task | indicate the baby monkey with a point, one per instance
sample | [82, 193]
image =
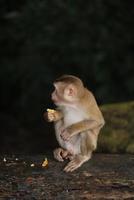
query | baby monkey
[77, 120]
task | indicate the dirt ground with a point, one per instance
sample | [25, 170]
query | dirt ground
[105, 176]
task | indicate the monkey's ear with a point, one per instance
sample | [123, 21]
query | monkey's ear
[70, 90]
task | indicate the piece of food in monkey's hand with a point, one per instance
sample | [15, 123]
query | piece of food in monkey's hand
[50, 110]
[50, 115]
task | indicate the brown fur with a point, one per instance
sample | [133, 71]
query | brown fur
[78, 121]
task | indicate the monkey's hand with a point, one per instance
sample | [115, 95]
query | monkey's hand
[65, 134]
[52, 115]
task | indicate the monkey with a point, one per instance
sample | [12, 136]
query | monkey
[77, 121]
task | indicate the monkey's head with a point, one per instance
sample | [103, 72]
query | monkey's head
[68, 90]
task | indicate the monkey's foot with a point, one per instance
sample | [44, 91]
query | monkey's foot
[75, 163]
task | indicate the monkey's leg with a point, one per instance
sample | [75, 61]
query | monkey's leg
[87, 146]
[76, 162]
[60, 154]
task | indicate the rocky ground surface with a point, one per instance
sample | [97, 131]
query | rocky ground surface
[105, 176]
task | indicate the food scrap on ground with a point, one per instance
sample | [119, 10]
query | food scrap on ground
[45, 163]
[32, 165]
[4, 160]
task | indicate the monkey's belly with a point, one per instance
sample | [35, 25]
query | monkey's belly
[73, 145]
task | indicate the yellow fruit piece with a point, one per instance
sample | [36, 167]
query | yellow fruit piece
[45, 163]
[50, 110]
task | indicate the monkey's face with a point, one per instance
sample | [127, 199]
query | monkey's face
[63, 94]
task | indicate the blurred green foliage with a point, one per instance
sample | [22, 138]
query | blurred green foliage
[40, 40]
[117, 136]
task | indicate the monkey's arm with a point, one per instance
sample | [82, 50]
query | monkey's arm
[57, 115]
[53, 115]
[81, 127]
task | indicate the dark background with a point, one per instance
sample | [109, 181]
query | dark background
[41, 40]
